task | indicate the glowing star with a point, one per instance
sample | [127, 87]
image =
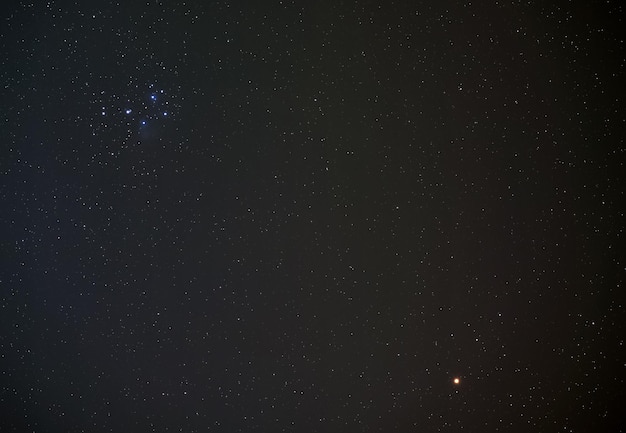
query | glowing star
[456, 381]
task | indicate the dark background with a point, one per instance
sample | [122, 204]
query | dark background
[328, 212]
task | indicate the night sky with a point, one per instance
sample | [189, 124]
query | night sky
[273, 216]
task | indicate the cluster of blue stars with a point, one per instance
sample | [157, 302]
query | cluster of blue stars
[141, 117]
[156, 108]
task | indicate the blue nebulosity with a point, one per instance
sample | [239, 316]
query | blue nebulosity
[139, 119]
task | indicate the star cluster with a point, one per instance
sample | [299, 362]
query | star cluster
[138, 115]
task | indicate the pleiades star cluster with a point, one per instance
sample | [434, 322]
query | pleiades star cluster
[336, 216]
